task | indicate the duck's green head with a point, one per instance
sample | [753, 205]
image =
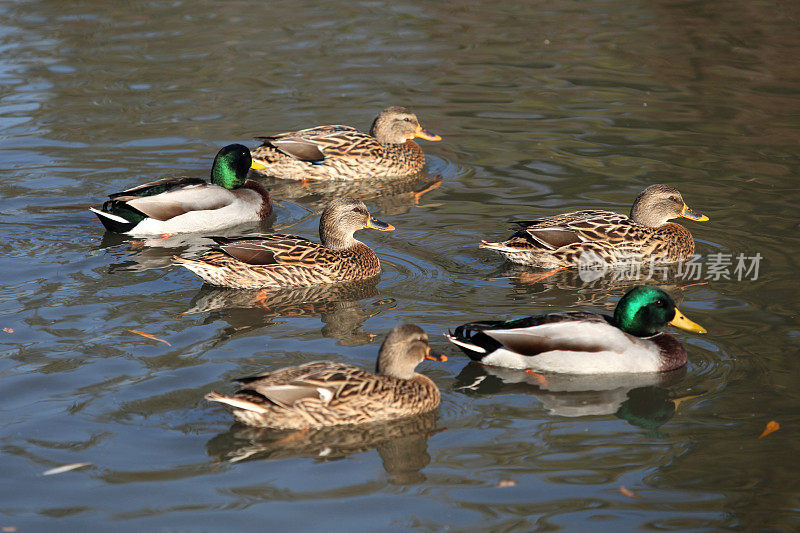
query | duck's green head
[231, 166]
[645, 311]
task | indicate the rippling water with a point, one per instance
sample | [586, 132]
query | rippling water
[544, 108]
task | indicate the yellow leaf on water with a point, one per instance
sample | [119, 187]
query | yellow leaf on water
[626, 492]
[771, 427]
[506, 483]
[149, 336]
[8, 330]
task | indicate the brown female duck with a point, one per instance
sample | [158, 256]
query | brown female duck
[344, 153]
[325, 393]
[277, 260]
[562, 240]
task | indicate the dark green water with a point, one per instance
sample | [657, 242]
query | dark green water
[544, 107]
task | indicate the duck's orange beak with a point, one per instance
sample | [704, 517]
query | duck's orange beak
[435, 356]
[680, 321]
[374, 223]
[688, 213]
[255, 165]
[428, 136]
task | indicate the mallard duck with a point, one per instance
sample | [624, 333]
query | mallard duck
[325, 393]
[594, 235]
[183, 204]
[343, 153]
[277, 260]
[584, 343]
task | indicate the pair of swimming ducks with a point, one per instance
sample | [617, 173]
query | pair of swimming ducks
[326, 393]
[322, 393]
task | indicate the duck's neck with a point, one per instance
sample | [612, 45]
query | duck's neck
[391, 363]
[646, 216]
[336, 240]
[673, 354]
[384, 134]
[266, 203]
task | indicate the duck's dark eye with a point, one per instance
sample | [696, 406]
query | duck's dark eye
[674, 199]
[660, 303]
[408, 119]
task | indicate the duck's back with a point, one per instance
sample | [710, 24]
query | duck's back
[325, 393]
[278, 260]
[591, 236]
[336, 153]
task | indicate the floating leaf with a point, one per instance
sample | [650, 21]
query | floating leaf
[772, 427]
[506, 483]
[149, 336]
[8, 330]
[626, 492]
[677, 401]
[8, 529]
[684, 287]
[65, 468]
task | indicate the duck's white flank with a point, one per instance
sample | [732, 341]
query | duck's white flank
[578, 347]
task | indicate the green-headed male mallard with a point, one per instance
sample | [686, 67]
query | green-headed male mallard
[277, 260]
[566, 240]
[585, 343]
[184, 205]
[324, 393]
[343, 153]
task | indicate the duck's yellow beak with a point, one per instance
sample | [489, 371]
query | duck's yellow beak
[680, 321]
[435, 356]
[428, 136]
[374, 223]
[688, 213]
[255, 165]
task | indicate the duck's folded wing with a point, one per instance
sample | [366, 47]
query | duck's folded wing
[321, 380]
[270, 249]
[158, 186]
[564, 218]
[287, 395]
[179, 200]
[571, 228]
[315, 144]
[308, 133]
[586, 334]
[300, 149]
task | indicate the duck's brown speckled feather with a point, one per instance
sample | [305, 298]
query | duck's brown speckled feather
[351, 396]
[295, 262]
[339, 152]
[274, 260]
[561, 240]
[345, 155]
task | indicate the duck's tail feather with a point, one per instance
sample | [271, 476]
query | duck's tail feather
[235, 402]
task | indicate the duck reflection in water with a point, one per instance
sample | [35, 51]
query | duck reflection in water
[340, 306]
[644, 400]
[402, 444]
[392, 196]
[593, 287]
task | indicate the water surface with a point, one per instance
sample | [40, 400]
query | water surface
[543, 108]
